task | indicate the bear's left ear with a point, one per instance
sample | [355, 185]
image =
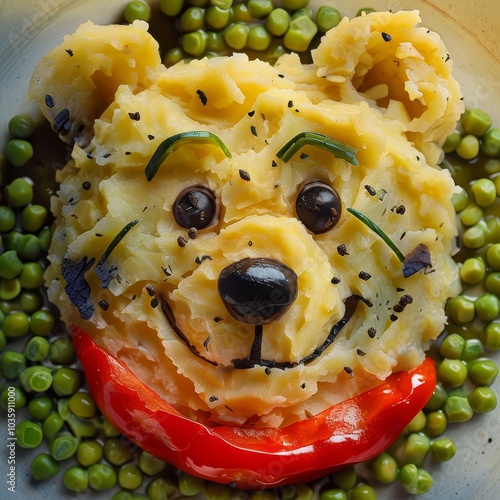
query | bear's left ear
[77, 81]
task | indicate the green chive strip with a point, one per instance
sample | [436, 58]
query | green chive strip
[339, 149]
[115, 242]
[174, 142]
[376, 229]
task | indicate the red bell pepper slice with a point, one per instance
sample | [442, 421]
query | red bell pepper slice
[353, 431]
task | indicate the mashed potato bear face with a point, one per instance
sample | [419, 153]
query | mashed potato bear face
[213, 281]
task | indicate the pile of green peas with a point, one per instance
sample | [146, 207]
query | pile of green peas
[219, 27]
[59, 423]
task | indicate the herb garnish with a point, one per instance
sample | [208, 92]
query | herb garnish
[174, 142]
[339, 149]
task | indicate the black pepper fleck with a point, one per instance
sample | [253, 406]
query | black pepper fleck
[212, 399]
[372, 332]
[386, 37]
[400, 210]
[192, 233]
[342, 250]
[349, 371]
[253, 130]
[103, 305]
[86, 185]
[182, 242]
[274, 164]
[199, 260]
[268, 371]
[359, 352]
[393, 317]
[303, 385]
[202, 96]
[151, 290]
[70, 52]
[250, 243]
[135, 116]
[290, 104]
[364, 275]
[304, 156]
[335, 280]
[370, 189]
[106, 155]
[154, 303]
[151, 137]
[49, 101]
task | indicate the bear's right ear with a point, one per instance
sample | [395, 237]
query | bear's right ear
[77, 81]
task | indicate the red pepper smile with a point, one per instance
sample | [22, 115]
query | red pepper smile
[347, 433]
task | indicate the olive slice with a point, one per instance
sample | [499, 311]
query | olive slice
[195, 207]
[318, 206]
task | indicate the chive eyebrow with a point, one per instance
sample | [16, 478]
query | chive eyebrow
[376, 229]
[338, 148]
[115, 242]
[174, 142]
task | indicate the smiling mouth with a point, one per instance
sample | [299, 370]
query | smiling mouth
[254, 358]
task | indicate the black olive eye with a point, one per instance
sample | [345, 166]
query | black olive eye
[195, 207]
[318, 206]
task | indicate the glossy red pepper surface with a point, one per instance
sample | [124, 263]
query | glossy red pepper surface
[347, 433]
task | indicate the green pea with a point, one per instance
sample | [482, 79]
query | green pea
[36, 379]
[472, 270]
[21, 126]
[362, 492]
[492, 283]
[475, 121]
[416, 447]
[108, 429]
[484, 192]
[171, 7]
[19, 192]
[491, 336]
[28, 247]
[333, 494]
[3, 339]
[28, 434]
[295, 4]
[215, 42]
[471, 214]
[473, 349]
[493, 256]
[16, 324]
[452, 346]
[149, 464]
[241, 13]
[483, 371]
[162, 488]
[11, 240]
[10, 265]
[385, 468]
[258, 38]
[37, 349]
[222, 4]
[66, 381]
[236, 36]
[13, 396]
[18, 152]
[135, 10]
[262, 495]
[89, 452]
[458, 409]
[443, 449]
[31, 276]
[483, 399]
[345, 478]
[12, 363]
[278, 22]
[460, 309]
[468, 148]
[62, 351]
[194, 43]
[492, 166]
[460, 200]
[217, 18]
[76, 479]
[40, 407]
[303, 492]
[417, 423]
[118, 451]
[173, 56]
[487, 306]
[45, 238]
[490, 143]
[451, 142]
[9, 289]
[414, 480]
[129, 476]
[42, 322]
[52, 425]
[82, 405]
[63, 446]
[260, 8]
[101, 477]
[474, 237]
[7, 219]
[436, 423]
[327, 18]
[215, 491]
[192, 19]
[300, 34]
[33, 217]
[43, 466]
[29, 302]
[189, 485]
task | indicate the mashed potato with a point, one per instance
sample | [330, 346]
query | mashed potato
[379, 84]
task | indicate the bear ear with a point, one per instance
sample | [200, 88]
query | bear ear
[77, 80]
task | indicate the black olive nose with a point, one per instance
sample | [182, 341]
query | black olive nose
[257, 291]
